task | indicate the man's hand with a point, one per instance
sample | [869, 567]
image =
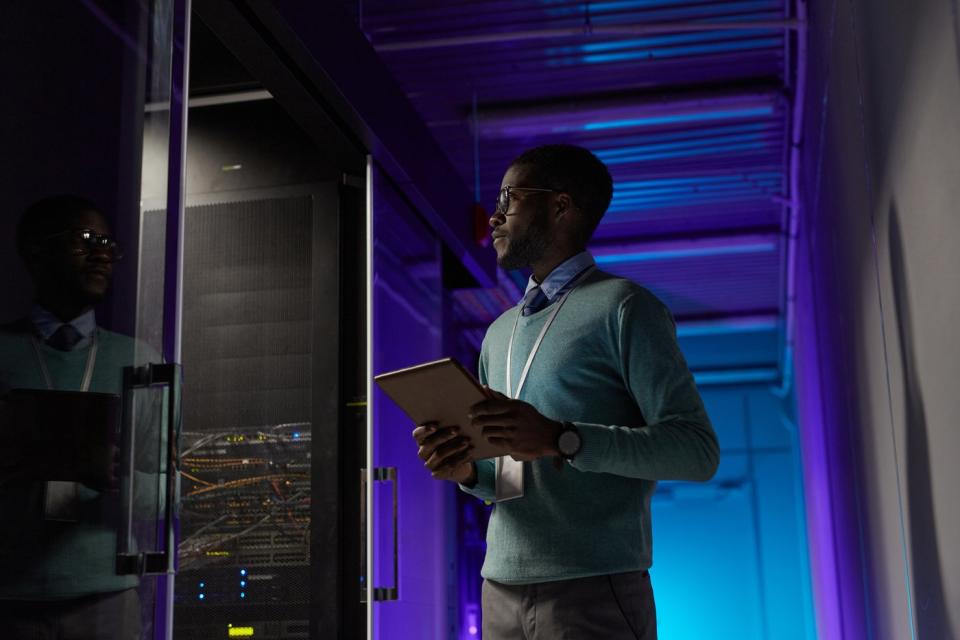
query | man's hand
[517, 426]
[445, 453]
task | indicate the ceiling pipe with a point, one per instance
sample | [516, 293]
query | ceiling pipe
[585, 30]
[794, 207]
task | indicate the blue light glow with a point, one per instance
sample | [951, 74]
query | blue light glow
[202, 585]
[243, 583]
[657, 182]
[243, 572]
[701, 146]
[595, 47]
[678, 118]
[704, 132]
[688, 153]
[736, 376]
[201, 596]
[691, 252]
[725, 327]
[690, 50]
[617, 6]
[296, 434]
[243, 594]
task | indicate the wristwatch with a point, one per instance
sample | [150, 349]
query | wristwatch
[569, 442]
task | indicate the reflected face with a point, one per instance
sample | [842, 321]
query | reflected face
[67, 268]
[521, 235]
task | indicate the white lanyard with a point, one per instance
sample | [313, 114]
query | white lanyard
[536, 345]
[87, 372]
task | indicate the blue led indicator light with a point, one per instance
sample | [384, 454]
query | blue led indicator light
[201, 596]
[243, 572]
[243, 595]
[202, 585]
[243, 583]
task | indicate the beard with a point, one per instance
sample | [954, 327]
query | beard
[522, 251]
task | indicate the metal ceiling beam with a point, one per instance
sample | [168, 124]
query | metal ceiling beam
[317, 63]
[585, 30]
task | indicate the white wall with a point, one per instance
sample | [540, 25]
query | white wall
[879, 233]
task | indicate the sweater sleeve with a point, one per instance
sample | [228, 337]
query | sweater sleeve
[485, 489]
[678, 441]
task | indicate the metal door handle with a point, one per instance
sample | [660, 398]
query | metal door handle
[163, 560]
[389, 474]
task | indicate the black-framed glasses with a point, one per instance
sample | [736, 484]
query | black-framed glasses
[83, 242]
[503, 198]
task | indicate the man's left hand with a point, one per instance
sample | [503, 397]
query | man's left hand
[516, 426]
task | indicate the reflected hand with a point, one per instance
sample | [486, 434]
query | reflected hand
[445, 453]
[517, 426]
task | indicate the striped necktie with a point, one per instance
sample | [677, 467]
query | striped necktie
[65, 337]
[534, 300]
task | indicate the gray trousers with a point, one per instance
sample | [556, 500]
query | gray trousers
[611, 607]
[106, 616]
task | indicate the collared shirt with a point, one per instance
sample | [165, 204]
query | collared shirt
[562, 277]
[46, 323]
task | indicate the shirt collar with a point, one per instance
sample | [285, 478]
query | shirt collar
[562, 274]
[46, 323]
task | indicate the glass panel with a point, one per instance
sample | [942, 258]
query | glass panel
[407, 330]
[92, 142]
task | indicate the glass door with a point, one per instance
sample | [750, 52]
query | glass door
[89, 401]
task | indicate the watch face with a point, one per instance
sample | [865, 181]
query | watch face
[569, 443]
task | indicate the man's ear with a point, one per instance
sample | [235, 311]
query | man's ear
[564, 203]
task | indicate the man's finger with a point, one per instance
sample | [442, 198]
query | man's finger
[452, 462]
[511, 419]
[428, 438]
[499, 431]
[493, 406]
[494, 394]
[444, 451]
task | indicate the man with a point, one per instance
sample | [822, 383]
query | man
[58, 539]
[607, 408]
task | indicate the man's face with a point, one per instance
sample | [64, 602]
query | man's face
[521, 237]
[68, 269]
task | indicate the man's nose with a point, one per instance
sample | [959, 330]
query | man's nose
[101, 254]
[497, 219]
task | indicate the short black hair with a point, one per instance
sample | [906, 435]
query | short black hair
[48, 216]
[576, 171]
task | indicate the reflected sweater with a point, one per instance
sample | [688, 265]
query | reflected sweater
[611, 365]
[42, 559]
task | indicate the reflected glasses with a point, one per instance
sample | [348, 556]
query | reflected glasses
[83, 242]
[503, 198]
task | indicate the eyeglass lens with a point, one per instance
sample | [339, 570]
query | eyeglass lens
[85, 242]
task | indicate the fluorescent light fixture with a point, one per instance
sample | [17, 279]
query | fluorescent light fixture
[641, 251]
[680, 118]
[660, 53]
[727, 326]
[624, 114]
[736, 376]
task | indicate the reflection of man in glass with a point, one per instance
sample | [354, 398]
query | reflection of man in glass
[58, 539]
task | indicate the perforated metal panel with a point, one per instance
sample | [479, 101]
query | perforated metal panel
[247, 418]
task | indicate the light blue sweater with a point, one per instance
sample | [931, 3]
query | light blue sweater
[611, 365]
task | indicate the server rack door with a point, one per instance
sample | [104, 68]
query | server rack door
[268, 547]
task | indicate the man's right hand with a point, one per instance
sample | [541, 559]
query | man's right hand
[445, 453]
